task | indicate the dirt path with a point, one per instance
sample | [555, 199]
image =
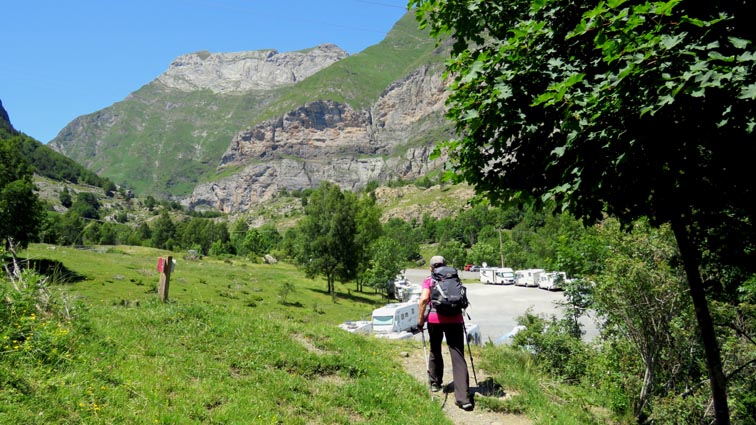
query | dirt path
[414, 363]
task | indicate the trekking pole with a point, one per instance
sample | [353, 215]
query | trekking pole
[469, 350]
[427, 365]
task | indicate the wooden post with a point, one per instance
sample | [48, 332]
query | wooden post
[164, 267]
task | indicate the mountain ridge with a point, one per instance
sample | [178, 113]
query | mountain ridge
[173, 137]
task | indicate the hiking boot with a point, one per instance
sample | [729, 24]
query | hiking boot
[435, 388]
[465, 406]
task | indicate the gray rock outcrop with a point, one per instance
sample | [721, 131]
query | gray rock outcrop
[244, 71]
[326, 140]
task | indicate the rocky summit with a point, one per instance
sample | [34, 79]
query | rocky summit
[244, 71]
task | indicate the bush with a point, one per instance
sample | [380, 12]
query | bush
[612, 374]
[557, 351]
[36, 324]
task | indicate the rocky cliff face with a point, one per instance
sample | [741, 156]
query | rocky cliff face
[244, 71]
[325, 140]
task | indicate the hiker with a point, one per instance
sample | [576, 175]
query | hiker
[453, 326]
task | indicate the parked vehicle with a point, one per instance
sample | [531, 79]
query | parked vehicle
[399, 317]
[404, 290]
[475, 268]
[552, 281]
[497, 275]
[528, 277]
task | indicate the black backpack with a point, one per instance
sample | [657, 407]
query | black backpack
[448, 295]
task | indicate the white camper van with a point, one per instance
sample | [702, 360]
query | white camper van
[497, 275]
[552, 281]
[528, 277]
[399, 317]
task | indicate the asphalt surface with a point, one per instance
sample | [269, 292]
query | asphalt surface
[495, 308]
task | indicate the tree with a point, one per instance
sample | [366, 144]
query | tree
[402, 232]
[453, 252]
[86, 206]
[164, 232]
[627, 108]
[65, 197]
[484, 252]
[641, 295]
[369, 230]
[385, 263]
[327, 235]
[21, 212]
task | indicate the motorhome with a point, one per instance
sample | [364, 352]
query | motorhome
[405, 291]
[528, 277]
[552, 281]
[398, 317]
[497, 275]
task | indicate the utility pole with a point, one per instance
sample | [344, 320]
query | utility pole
[501, 249]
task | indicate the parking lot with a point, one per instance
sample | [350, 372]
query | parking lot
[495, 308]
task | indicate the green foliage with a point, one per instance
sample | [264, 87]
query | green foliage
[613, 108]
[39, 328]
[85, 206]
[385, 263]
[403, 233]
[556, 349]
[483, 252]
[163, 232]
[640, 293]
[49, 163]
[532, 393]
[284, 291]
[454, 253]
[20, 209]
[65, 197]
[327, 244]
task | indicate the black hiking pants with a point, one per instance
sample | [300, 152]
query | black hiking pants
[455, 339]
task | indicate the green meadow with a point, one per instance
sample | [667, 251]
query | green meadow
[236, 343]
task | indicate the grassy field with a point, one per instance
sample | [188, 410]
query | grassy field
[224, 349]
[236, 343]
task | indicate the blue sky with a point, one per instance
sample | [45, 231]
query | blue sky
[63, 59]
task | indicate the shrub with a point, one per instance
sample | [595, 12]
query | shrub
[37, 325]
[557, 351]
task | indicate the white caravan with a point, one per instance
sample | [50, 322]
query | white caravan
[497, 275]
[552, 281]
[399, 317]
[405, 291]
[528, 277]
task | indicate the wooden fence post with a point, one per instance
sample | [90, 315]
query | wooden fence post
[164, 267]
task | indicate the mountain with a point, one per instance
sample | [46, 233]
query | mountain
[45, 161]
[5, 124]
[228, 130]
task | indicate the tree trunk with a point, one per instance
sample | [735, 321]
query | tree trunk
[706, 327]
[648, 377]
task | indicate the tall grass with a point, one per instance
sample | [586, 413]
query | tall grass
[540, 397]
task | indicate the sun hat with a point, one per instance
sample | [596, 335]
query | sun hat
[437, 260]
